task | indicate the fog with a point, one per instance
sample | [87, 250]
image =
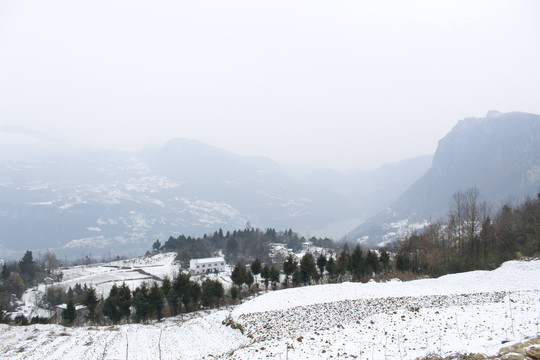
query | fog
[338, 84]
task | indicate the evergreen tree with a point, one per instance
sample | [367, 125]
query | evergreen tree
[124, 301]
[307, 268]
[91, 301]
[141, 303]
[296, 277]
[180, 291]
[249, 279]
[239, 274]
[70, 294]
[331, 268]
[384, 258]
[14, 285]
[173, 299]
[357, 264]
[69, 313]
[403, 263]
[342, 263]
[265, 274]
[5, 272]
[78, 290]
[235, 292]
[166, 285]
[256, 267]
[274, 275]
[156, 301]
[212, 293]
[289, 266]
[27, 268]
[195, 293]
[372, 263]
[110, 307]
[321, 263]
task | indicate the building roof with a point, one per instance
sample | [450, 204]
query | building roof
[208, 260]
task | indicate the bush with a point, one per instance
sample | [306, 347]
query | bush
[21, 320]
[39, 320]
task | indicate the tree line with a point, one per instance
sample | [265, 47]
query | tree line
[174, 296]
[17, 276]
[473, 237]
[355, 265]
[238, 245]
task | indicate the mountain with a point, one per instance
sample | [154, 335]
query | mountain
[498, 154]
[96, 202]
[372, 190]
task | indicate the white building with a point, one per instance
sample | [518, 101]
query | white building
[206, 265]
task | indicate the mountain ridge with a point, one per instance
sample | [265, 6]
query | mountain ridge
[96, 201]
[498, 154]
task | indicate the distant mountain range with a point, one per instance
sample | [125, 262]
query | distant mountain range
[95, 202]
[99, 202]
[498, 154]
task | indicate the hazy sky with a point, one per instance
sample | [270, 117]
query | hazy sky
[340, 84]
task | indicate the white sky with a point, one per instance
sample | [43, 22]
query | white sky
[339, 84]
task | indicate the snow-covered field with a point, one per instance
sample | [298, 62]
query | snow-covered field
[470, 312]
[132, 271]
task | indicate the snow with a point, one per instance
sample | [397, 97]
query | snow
[509, 277]
[470, 312]
[173, 338]
[103, 276]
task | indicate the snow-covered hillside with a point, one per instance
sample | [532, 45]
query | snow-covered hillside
[469, 312]
[132, 272]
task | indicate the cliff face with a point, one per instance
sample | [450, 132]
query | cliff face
[498, 154]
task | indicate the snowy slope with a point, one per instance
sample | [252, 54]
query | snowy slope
[468, 312]
[133, 272]
[509, 277]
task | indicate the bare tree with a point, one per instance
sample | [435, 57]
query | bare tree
[467, 214]
[50, 263]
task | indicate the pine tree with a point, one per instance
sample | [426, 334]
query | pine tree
[91, 301]
[69, 313]
[110, 307]
[384, 258]
[156, 301]
[256, 267]
[5, 272]
[27, 268]
[212, 293]
[274, 275]
[238, 275]
[357, 265]
[235, 292]
[249, 279]
[307, 268]
[289, 266]
[193, 296]
[166, 284]
[140, 303]
[265, 274]
[372, 263]
[331, 268]
[296, 277]
[124, 301]
[342, 263]
[321, 263]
